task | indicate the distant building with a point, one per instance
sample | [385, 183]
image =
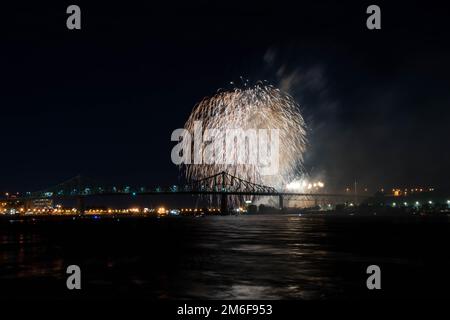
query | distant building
[42, 203]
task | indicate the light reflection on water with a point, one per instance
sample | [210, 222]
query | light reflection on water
[262, 257]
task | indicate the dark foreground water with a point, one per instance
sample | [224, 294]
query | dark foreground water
[231, 257]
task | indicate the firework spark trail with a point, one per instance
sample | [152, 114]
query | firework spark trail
[256, 107]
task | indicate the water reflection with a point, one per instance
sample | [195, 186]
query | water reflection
[233, 257]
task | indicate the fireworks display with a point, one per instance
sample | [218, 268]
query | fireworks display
[256, 107]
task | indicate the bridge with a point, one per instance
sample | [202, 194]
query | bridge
[221, 184]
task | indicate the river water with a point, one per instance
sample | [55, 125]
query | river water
[227, 257]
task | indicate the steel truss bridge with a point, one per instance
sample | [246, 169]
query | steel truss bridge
[221, 184]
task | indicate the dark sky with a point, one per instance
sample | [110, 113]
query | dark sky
[103, 101]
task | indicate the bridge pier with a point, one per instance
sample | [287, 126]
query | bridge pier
[80, 205]
[223, 203]
[28, 204]
[280, 202]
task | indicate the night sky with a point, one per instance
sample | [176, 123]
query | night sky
[103, 101]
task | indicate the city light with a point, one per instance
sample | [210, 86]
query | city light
[303, 185]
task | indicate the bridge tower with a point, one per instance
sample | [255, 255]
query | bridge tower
[223, 196]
